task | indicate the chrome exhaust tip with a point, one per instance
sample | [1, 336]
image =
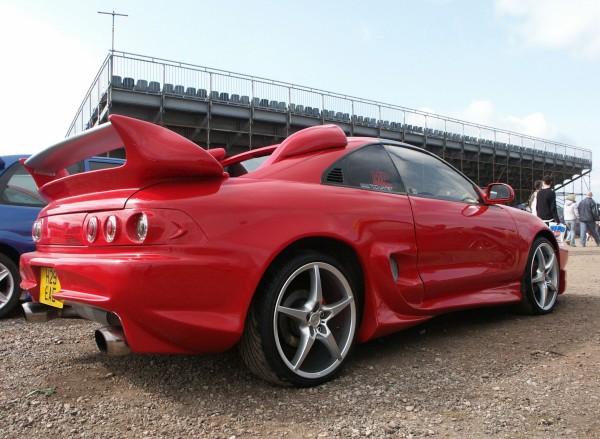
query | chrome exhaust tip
[111, 341]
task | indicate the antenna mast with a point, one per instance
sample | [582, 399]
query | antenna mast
[113, 13]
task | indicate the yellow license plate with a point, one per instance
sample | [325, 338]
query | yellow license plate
[49, 285]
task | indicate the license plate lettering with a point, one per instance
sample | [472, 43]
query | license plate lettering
[49, 285]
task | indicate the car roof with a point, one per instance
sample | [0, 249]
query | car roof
[8, 160]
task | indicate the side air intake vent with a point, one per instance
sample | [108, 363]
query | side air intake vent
[336, 175]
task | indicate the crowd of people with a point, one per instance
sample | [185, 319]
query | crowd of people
[542, 203]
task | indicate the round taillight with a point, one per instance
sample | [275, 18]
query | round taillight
[141, 227]
[91, 231]
[36, 231]
[110, 228]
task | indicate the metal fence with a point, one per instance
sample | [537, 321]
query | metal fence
[208, 83]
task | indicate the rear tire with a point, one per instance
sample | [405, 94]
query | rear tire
[10, 292]
[303, 321]
[540, 281]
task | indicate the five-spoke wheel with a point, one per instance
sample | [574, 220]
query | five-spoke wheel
[303, 323]
[541, 279]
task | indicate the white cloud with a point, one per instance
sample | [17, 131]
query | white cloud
[555, 24]
[483, 112]
[533, 125]
[480, 112]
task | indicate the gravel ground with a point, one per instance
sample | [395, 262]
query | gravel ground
[476, 374]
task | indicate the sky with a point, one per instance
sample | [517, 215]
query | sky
[530, 66]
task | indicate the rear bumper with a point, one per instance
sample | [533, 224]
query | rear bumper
[165, 303]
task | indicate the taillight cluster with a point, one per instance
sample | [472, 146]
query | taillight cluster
[124, 227]
[135, 228]
[117, 228]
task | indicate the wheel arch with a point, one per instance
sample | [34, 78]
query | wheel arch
[11, 253]
[549, 236]
[560, 252]
[542, 233]
[333, 247]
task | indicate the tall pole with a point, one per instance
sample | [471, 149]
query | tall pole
[112, 52]
[113, 13]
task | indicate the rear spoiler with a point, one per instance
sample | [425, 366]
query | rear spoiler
[153, 154]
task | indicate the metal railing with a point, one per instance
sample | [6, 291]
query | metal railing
[290, 97]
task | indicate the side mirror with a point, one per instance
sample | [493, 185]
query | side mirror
[498, 193]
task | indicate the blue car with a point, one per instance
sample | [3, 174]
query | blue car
[20, 204]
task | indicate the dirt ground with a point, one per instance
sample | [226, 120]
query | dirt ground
[475, 374]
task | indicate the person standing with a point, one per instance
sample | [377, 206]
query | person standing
[546, 202]
[588, 215]
[571, 215]
[537, 185]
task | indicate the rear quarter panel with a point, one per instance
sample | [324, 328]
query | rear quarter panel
[250, 222]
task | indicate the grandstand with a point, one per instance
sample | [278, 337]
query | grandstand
[217, 108]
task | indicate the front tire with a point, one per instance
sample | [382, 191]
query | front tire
[10, 292]
[303, 321]
[541, 278]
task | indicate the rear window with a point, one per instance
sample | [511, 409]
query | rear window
[18, 188]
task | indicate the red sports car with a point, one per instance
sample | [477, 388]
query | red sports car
[292, 252]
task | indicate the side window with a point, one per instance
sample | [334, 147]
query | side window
[369, 168]
[18, 188]
[427, 176]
